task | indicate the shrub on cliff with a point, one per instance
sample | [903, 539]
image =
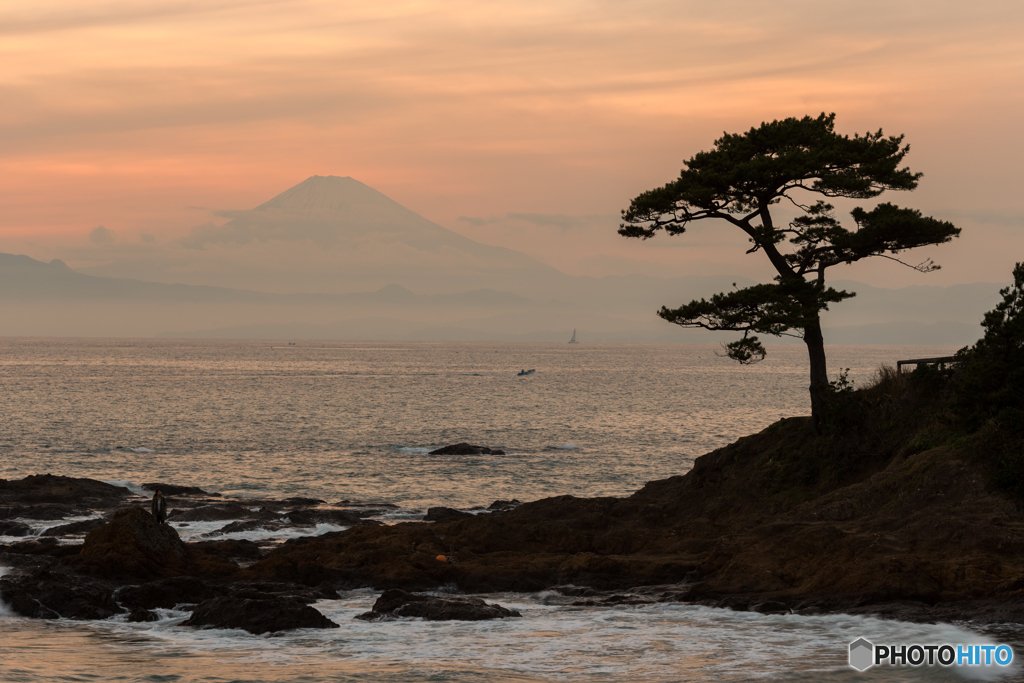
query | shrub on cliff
[990, 383]
[989, 388]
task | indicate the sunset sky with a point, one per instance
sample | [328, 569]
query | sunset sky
[528, 125]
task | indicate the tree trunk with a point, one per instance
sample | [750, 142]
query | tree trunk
[819, 374]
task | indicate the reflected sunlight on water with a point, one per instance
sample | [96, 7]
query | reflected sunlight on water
[355, 421]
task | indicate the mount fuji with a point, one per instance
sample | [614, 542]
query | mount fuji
[334, 258]
[333, 235]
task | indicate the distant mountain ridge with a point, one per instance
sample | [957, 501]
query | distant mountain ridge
[52, 299]
[334, 256]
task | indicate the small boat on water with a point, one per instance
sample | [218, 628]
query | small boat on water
[573, 340]
[524, 373]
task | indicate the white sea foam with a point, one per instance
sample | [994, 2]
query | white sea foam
[5, 610]
[194, 531]
[263, 535]
[419, 450]
[38, 526]
[659, 642]
[198, 531]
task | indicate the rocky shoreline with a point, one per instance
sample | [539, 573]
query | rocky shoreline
[909, 535]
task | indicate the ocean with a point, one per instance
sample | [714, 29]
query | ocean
[356, 421]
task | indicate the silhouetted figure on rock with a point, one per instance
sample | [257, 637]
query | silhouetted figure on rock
[159, 506]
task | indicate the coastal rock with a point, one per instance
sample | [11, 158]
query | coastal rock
[166, 593]
[299, 500]
[467, 449]
[43, 546]
[14, 529]
[22, 603]
[50, 595]
[229, 549]
[338, 517]
[396, 604]
[614, 600]
[174, 490]
[504, 505]
[75, 528]
[443, 514]
[247, 525]
[133, 545]
[366, 507]
[221, 512]
[49, 489]
[303, 540]
[266, 615]
[43, 512]
[256, 590]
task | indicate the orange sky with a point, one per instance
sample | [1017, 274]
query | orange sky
[534, 122]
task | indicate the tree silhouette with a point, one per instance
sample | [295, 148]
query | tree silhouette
[739, 182]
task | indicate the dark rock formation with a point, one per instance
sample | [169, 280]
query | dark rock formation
[166, 593]
[21, 602]
[43, 546]
[503, 505]
[467, 449]
[396, 604]
[14, 529]
[46, 511]
[614, 600]
[256, 590]
[443, 514]
[49, 595]
[265, 615]
[220, 512]
[174, 490]
[303, 540]
[66, 491]
[231, 549]
[299, 500]
[374, 506]
[339, 517]
[247, 525]
[133, 545]
[75, 528]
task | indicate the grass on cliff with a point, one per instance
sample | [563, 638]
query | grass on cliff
[974, 406]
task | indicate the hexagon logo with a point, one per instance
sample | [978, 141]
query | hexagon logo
[861, 654]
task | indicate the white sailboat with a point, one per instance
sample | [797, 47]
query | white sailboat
[573, 340]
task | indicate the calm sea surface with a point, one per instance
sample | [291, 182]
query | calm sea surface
[356, 421]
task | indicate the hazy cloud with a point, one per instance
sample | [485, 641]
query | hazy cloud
[101, 235]
[43, 17]
[561, 221]
[988, 218]
[477, 221]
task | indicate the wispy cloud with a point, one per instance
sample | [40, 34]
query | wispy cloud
[101, 235]
[561, 221]
[131, 112]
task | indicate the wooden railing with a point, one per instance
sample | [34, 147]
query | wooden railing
[941, 360]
